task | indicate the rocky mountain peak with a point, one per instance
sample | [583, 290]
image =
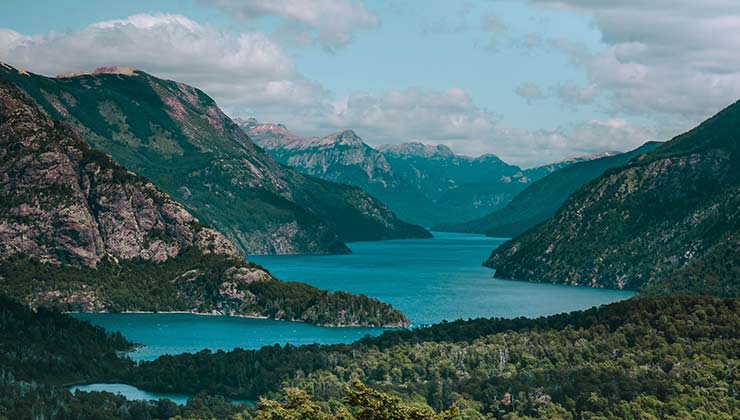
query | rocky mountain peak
[120, 70]
[418, 149]
[343, 138]
[489, 158]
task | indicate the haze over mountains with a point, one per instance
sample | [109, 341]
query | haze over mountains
[424, 184]
[177, 137]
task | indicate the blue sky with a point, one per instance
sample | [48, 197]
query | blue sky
[530, 80]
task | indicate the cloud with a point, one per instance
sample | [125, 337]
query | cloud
[239, 69]
[574, 95]
[330, 23]
[666, 59]
[493, 24]
[450, 117]
[249, 75]
[535, 147]
[530, 92]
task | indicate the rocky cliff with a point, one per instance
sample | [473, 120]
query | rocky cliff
[81, 232]
[177, 137]
[340, 157]
[665, 217]
[64, 203]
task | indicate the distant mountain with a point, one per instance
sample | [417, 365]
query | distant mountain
[666, 221]
[544, 170]
[424, 184]
[80, 232]
[177, 137]
[542, 198]
[340, 157]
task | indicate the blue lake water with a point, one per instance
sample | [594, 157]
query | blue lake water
[130, 392]
[135, 394]
[429, 280]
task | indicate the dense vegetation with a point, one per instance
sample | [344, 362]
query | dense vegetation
[673, 357]
[47, 346]
[541, 199]
[42, 350]
[137, 285]
[648, 358]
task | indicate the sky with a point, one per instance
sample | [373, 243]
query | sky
[532, 81]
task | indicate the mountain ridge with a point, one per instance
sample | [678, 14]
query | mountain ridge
[422, 183]
[176, 135]
[660, 217]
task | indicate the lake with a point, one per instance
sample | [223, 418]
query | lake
[429, 280]
[130, 392]
[135, 394]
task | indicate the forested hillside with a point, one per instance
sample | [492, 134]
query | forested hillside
[634, 359]
[660, 219]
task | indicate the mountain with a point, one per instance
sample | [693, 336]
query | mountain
[339, 157]
[666, 218]
[80, 232]
[422, 183]
[542, 198]
[176, 136]
[544, 170]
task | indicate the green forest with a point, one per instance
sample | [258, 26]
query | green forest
[645, 358]
[139, 285]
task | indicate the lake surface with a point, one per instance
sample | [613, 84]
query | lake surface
[180, 333]
[437, 279]
[130, 392]
[429, 280]
[135, 394]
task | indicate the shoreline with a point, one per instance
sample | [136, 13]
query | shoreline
[242, 316]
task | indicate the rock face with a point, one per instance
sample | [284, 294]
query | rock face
[65, 203]
[424, 184]
[339, 157]
[80, 232]
[668, 215]
[177, 137]
[542, 198]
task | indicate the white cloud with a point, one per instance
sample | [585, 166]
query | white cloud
[248, 74]
[244, 69]
[672, 60]
[451, 118]
[574, 95]
[530, 92]
[333, 21]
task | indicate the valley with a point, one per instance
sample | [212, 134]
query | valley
[369, 210]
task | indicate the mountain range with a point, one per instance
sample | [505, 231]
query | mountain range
[542, 198]
[80, 232]
[424, 184]
[177, 137]
[667, 221]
